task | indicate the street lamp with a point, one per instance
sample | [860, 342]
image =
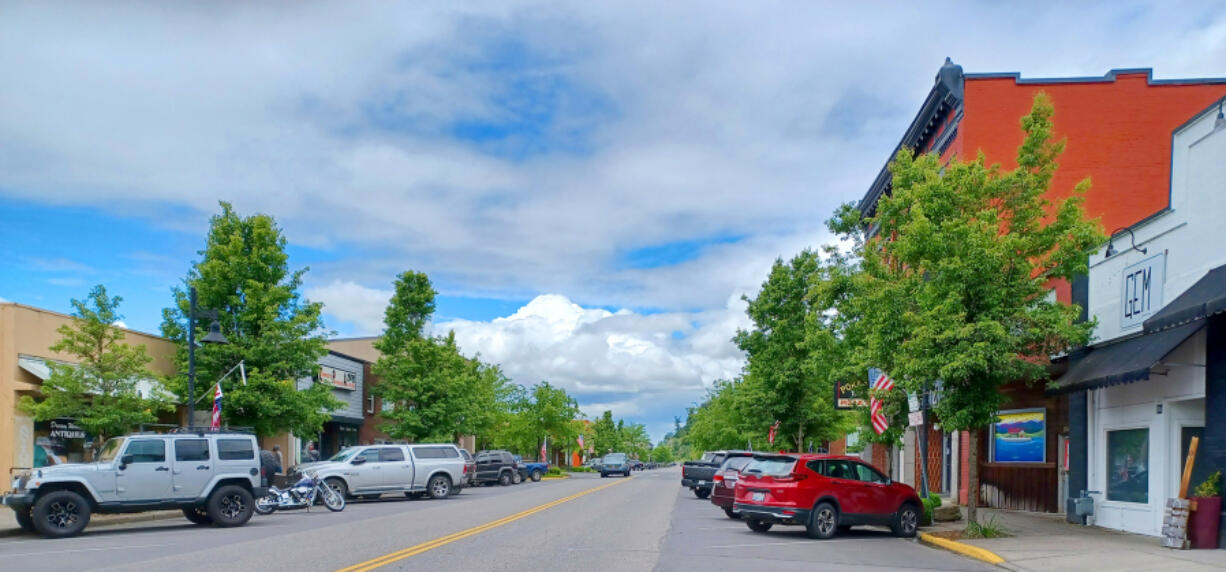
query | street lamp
[213, 337]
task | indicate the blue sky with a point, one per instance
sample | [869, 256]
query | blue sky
[591, 188]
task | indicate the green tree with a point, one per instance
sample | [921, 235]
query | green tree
[100, 391]
[663, 453]
[243, 273]
[635, 440]
[545, 411]
[955, 281]
[795, 389]
[723, 420]
[606, 438]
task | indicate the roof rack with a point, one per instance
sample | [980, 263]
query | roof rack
[209, 430]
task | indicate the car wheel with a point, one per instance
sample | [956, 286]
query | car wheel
[337, 485]
[516, 478]
[536, 476]
[732, 513]
[504, 479]
[757, 525]
[198, 515]
[823, 521]
[603, 474]
[906, 521]
[24, 520]
[702, 493]
[439, 487]
[230, 505]
[60, 514]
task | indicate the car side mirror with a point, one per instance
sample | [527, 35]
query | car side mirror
[358, 461]
[124, 461]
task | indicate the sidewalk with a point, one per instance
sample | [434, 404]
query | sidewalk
[1041, 541]
[9, 527]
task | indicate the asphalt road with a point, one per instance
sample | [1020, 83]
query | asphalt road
[647, 522]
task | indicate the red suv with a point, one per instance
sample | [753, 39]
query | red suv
[824, 493]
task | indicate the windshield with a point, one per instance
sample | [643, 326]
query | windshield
[110, 449]
[615, 459]
[773, 467]
[736, 463]
[344, 455]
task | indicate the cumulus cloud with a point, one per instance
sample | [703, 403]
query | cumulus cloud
[353, 304]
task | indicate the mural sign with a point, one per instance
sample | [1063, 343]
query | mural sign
[1020, 436]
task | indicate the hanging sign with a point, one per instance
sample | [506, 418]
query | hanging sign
[844, 398]
[915, 418]
[338, 378]
[1142, 290]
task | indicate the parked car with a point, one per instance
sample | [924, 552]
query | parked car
[495, 466]
[723, 487]
[699, 475]
[212, 477]
[825, 494]
[531, 470]
[615, 463]
[470, 467]
[435, 470]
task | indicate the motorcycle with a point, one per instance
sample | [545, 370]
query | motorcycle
[302, 495]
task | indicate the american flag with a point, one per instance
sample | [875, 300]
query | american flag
[543, 443]
[217, 408]
[581, 441]
[879, 381]
[771, 435]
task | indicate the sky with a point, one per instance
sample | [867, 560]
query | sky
[592, 188]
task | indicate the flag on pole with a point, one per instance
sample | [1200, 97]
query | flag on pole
[543, 443]
[878, 381]
[217, 407]
[581, 441]
[771, 435]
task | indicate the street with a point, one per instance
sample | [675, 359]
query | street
[647, 522]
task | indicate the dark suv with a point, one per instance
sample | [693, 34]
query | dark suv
[495, 467]
[723, 488]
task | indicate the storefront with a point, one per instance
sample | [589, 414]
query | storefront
[346, 376]
[1143, 390]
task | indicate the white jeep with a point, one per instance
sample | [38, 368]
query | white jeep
[213, 477]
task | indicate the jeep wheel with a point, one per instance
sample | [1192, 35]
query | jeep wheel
[504, 479]
[439, 487]
[757, 525]
[536, 476]
[60, 514]
[197, 515]
[24, 520]
[230, 505]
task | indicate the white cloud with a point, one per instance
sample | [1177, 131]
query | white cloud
[120, 324]
[352, 303]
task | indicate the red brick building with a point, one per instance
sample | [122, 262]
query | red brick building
[1118, 130]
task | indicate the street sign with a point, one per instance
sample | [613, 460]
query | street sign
[913, 402]
[915, 418]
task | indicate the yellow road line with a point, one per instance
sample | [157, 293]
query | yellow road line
[444, 540]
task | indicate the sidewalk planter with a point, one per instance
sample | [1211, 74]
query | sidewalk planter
[1204, 521]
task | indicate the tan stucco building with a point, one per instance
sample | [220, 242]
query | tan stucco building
[26, 335]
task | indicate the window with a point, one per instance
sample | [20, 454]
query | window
[818, 466]
[836, 469]
[869, 475]
[1128, 465]
[147, 450]
[429, 452]
[370, 406]
[192, 450]
[371, 455]
[737, 463]
[771, 466]
[235, 449]
[391, 454]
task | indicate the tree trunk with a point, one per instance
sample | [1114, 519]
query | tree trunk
[972, 481]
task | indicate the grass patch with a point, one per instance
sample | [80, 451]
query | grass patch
[989, 529]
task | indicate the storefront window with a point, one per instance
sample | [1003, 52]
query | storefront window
[1128, 465]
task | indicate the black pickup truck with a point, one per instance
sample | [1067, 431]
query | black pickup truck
[699, 475]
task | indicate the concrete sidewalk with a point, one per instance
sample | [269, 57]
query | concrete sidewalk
[1042, 541]
[9, 527]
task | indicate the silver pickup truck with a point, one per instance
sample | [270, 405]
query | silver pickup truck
[436, 470]
[212, 477]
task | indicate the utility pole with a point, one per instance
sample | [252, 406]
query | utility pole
[213, 337]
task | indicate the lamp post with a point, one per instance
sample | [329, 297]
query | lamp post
[213, 337]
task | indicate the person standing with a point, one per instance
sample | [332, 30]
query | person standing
[268, 465]
[312, 454]
[276, 450]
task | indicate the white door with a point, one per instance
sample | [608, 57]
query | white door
[192, 467]
[145, 475]
[397, 468]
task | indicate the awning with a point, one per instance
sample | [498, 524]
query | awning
[1205, 298]
[1123, 362]
[35, 366]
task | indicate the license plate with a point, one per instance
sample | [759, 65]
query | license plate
[759, 496]
[700, 483]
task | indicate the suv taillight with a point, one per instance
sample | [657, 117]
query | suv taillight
[718, 479]
[729, 477]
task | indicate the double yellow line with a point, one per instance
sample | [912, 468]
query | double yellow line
[437, 542]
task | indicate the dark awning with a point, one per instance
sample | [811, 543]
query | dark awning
[1123, 362]
[1205, 298]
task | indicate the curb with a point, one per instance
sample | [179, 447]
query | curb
[962, 548]
[110, 520]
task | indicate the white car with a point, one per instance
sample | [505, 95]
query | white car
[436, 470]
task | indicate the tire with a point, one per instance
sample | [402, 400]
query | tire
[517, 478]
[199, 516]
[266, 504]
[60, 514]
[536, 476]
[823, 521]
[604, 475]
[504, 479]
[24, 520]
[230, 505]
[333, 500]
[439, 487]
[757, 525]
[906, 521]
[338, 485]
[702, 493]
[732, 513]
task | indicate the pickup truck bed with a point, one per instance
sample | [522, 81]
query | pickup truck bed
[699, 475]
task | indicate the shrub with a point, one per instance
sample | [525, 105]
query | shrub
[1211, 487]
[987, 529]
[554, 471]
[579, 469]
[930, 505]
